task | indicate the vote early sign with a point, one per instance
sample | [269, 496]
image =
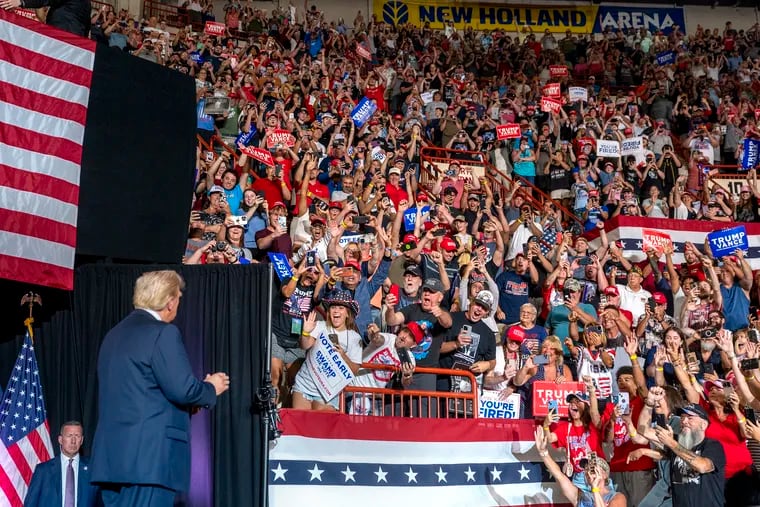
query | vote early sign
[724, 241]
[544, 391]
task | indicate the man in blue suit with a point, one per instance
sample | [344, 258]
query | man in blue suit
[63, 481]
[141, 452]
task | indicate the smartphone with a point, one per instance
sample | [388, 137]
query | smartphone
[585, 261]
[709, 368]
[360, 220]
[592, 463]
[624, 402]
[749, 364]
[439, 232]
[691, 358]
[553, 405]
[333, 338]
[311, 259]
[403, 355]
[602, 300]
[395, 291]
[594, 328]
[651, 304]
[728, 390]
[749, 413]
[659, 420]
[540, 359]
[753, 335]
[283, 222]
[466, 329]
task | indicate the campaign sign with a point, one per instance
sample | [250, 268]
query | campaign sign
[245, 138]
[751, 153]
[656, 240]
[631, 146]
[328, 369]
[552, 90]
[26, 13]
[550, 105]
[363, 111]
[259, 154]
[427, 97]
[378, 154]
[491, 407]
[558, 70]
[410, 217]
[606, 148]
[281, 137]
[281, 266]
[725, 241]
[196, 57]
[577, 93]
[666, 57]
[544, 391]
[349, 238]
[635, 17]
[214, 28]
[508, 131]
[363, 52]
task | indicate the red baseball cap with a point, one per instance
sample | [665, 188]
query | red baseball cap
[448, 244]
[279, 204]
[516, 334]
[659, 298]
[353, 264]
[335, 204]
[417, 331]
[410, 238]
[611, 291]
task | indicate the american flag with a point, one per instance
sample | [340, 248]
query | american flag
[629, 230]
[24, 429]
[45, 75]
[380, 461]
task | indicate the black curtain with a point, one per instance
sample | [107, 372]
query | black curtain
[223, 317]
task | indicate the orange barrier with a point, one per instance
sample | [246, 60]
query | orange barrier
[412, 403]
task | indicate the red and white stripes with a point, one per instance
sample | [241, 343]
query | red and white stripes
[17, 463]
[45, 77]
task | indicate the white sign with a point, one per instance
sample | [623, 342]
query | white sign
[491, 407]
[378, 154]
[632, 146]
[607, 148]
[328, 369]
[427, 97]
[577, 93]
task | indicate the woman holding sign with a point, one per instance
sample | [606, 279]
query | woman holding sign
[320, 339]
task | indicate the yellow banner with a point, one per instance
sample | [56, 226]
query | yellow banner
[488, 16]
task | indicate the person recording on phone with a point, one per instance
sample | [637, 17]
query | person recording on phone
[275, 237]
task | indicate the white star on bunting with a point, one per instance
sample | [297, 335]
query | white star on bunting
[279, 472]
[470, 473]
[381, 475]
[524, 472]
[412, 475]
[349, 474]
[316, 473]
[441, 475]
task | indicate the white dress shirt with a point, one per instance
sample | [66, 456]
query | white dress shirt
[152, 312]
[64, 468]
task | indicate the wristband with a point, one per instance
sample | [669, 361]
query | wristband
[595, 490]
[659, 368]
[633, 433]
[543, 454]
[731, 356]
[343, 224]
[304, 333]
[743, 420]
[634, 357]
[294, 278]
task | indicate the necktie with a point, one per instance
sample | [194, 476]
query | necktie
[69, 494]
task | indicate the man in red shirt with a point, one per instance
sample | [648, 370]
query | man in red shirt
[396, 192]
[274, 188]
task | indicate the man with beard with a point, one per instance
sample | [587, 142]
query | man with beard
[697, 463]
[409, 291]
[484, 355]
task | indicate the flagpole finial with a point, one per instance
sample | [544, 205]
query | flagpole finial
[30, 298]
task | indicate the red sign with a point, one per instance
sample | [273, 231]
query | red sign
[508, 131]
[26, 13]
[655, 240]
[757, 113]
[214, 28]
[281, 137]
[550, 105]
[552, 90]
[544, 391]
[363, 52]
[259, 154]
[558, 70]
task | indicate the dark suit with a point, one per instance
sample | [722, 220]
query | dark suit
[70, 15]
[146, 389]
[45, 488]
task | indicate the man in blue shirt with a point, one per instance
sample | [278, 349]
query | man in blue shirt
[514, 288]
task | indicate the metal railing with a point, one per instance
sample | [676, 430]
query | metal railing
[170, 14]
[415, 403]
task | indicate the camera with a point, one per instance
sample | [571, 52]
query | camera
[219, 246]
[311, 259]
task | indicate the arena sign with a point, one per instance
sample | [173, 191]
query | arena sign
[482, 15]
[632, 16]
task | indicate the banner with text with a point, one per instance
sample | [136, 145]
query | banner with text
[606, 148]
[751, 153]
[552, 90]
[558, 70]
[279, 138]
[656, 240]
[652, 19]
[577, 93]
[491, 406]
[666, 58]
[490, 16]
[214, 28]
[363, 111]
[726, 241]
[550, 105]
[544, 391]
[508, 131]
[281, 266]
[260, 154]
[328, 369]
[410, 217]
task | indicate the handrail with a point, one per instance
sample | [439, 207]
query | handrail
[501, 182]
[168, 13]
[217, 141]
[403, 402]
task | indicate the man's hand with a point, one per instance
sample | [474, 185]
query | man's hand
[665, 436]
[220, 381]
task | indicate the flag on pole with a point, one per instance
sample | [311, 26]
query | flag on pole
[400, 461]
[24, 428]
[45, 75]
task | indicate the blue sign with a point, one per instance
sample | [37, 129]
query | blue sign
[410, 217]
[196, 57]
[666, 58]
[653, 19]
[281, 266]
[726, 241]
[246, 138]
[363, 111]
[751, 154]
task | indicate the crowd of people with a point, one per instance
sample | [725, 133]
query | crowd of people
[412, 264]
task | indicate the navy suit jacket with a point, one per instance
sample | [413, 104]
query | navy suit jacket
[45, 488]
[146, 391]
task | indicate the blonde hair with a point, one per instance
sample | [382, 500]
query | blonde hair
[154, 289]
[556, 344]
